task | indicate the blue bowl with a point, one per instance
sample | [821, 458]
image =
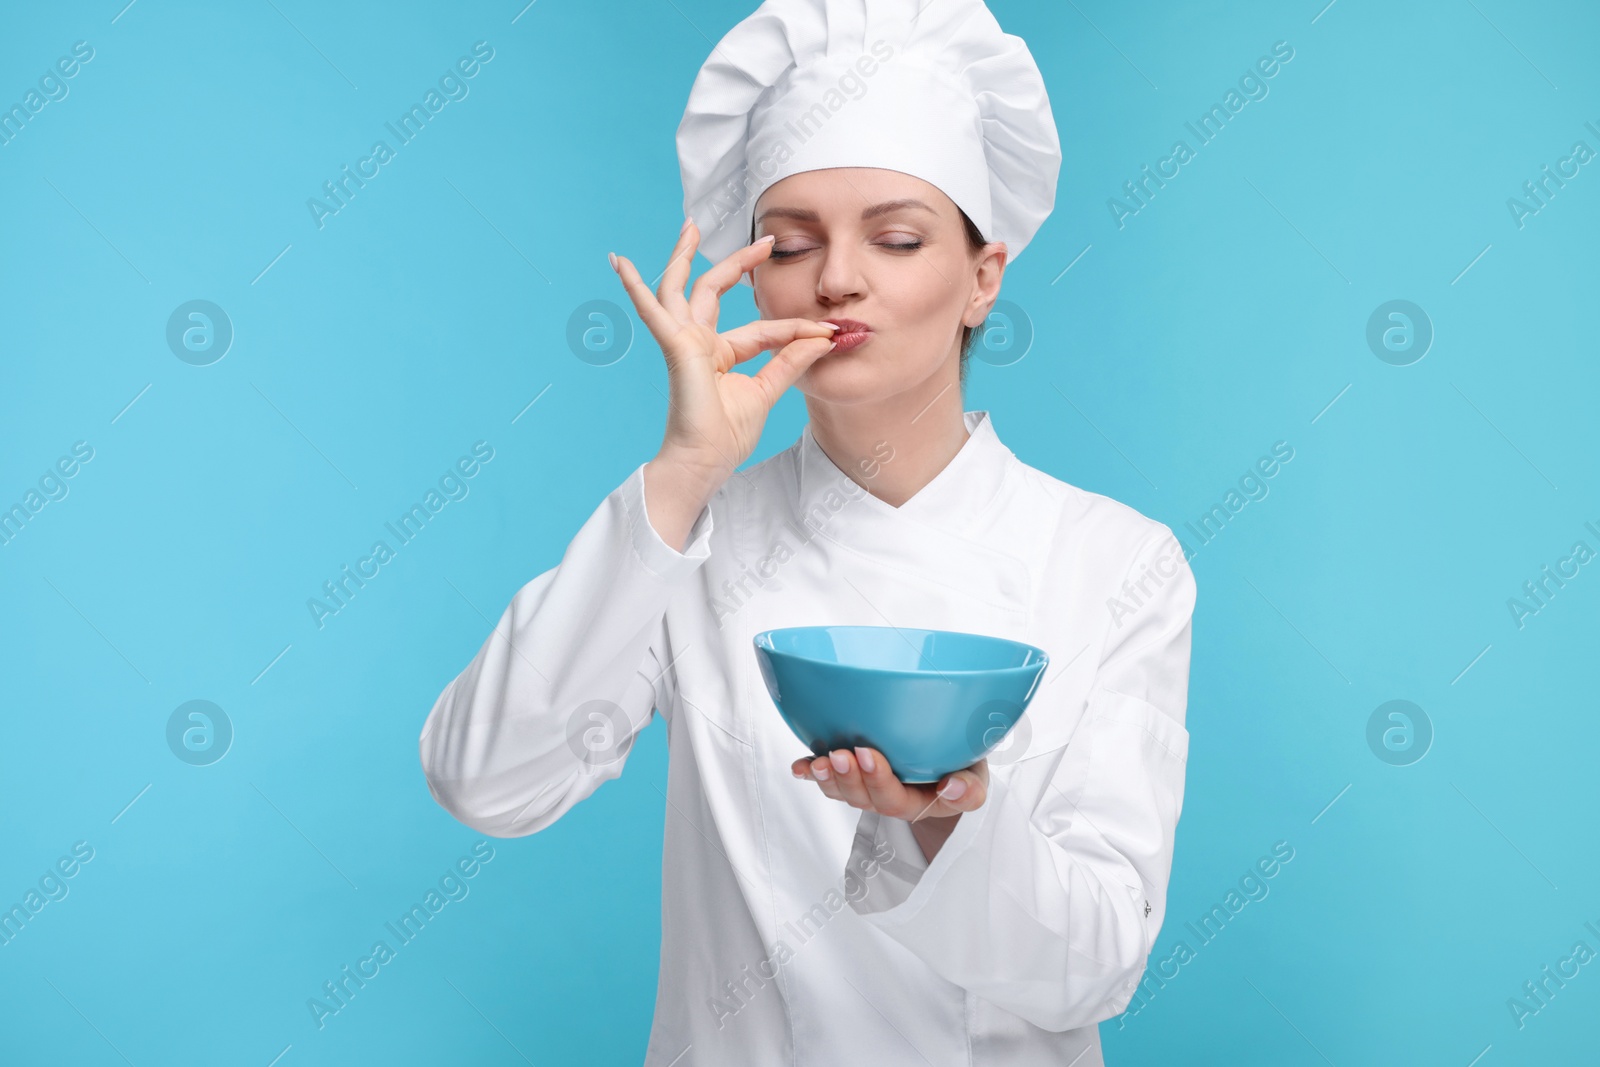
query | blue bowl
[932, 701]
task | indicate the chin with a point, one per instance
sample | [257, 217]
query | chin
[848, 377]
[861, 376]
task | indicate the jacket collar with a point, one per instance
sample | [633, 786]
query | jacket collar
[954, 500]
[948, 535]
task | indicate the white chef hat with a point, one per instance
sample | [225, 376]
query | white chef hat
[931, 88]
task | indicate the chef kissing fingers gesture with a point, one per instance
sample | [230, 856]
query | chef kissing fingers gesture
[714, 418]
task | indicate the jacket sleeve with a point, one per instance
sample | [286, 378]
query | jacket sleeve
[1047, 899]
[549, 707]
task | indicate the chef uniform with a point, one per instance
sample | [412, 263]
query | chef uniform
[797, 929]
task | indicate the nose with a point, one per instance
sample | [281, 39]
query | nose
[840, 281]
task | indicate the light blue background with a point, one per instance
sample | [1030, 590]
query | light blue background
[1225, 316]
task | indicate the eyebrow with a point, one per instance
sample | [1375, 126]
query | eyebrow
[801, 214]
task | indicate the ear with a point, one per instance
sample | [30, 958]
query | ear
[991, 269]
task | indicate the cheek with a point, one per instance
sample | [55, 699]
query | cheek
[925, 311]
[781, 294]
[926, 289]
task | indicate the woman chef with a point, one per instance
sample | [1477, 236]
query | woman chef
[887, 158]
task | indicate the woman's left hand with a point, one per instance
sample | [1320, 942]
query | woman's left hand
[862, 779]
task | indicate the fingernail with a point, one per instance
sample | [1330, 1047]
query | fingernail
[864, 758]
[821, 772]
[612, 256]
[798, 774]
[768, 238]
[829, 325]
[954, 788]
[841, 762]
[685, 225]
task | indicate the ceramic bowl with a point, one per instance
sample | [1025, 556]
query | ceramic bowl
[932, 701]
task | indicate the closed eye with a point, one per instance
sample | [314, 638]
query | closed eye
[898, 246]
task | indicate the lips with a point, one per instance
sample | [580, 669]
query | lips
[851, 334]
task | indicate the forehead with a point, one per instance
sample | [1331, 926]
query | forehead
[842, 193]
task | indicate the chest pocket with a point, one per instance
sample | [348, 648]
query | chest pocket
[1056, 711]
[712, 688]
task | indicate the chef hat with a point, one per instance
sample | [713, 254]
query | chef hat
[931, 88]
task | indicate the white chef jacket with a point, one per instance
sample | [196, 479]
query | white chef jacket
[795, 928]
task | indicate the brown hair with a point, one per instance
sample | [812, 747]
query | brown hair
[975, 243]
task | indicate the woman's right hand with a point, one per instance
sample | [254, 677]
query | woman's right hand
[715, 418]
